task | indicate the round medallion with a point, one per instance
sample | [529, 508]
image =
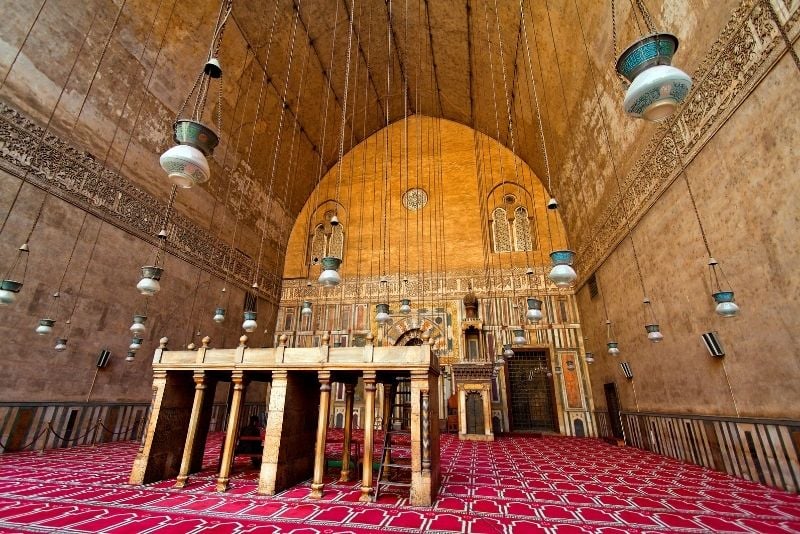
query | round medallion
[415, 199]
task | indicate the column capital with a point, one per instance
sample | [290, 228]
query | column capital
[280, 374]
[324, 377]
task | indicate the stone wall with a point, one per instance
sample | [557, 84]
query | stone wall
[735, 139]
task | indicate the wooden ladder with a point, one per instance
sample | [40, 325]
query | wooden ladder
[395, 472]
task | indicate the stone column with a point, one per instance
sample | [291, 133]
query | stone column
[194, 419]
[349, 390]
[369, 430]
[487, 413]
[317, 484]
[426, 432]
[232, 431]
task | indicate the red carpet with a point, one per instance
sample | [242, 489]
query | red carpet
[519, 484]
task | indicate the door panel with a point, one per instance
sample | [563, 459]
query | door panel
[531, 392]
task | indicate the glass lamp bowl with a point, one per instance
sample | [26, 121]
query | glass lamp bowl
[130, 356]
[613, 348]
[534, 313]
[149, 284]
[61, 344]
[249, 324]
[562, 274]
[136, 344]
[656, 88]
[589, 358]
[219, 315]
[519, 337]
[8, 291]
[306, 310]
[382, 313]
[185, 166]
[508, 352]
[329, 277]
[654, 333]
[138, 324]
[726, 307]
[405, 306]
[45, 326]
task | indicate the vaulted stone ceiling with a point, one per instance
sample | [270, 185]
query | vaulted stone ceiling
[440, 58]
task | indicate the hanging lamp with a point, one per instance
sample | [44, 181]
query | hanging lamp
[589, 358]
[306, 310]
[185, 163]
[519, 336]
[656, 87]
[653, 330]
[724, 298]
[382, 314]
[405, 306]
[219, 315]
[330, 277]
[130, 356]
[534, 313]
[613, 346]
[138, 324]
[61, 344]
[508, 352]
[15, 278]
[136, 343]
[250, 324]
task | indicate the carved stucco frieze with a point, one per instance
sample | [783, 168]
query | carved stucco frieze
[431, 286]
[746, 50]
[79, 178]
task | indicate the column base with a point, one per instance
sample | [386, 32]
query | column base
[182, 481]
[366, 495]
[222, 484]
[344, 476]
[316, 491]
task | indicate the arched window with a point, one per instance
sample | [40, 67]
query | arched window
[501, 231]
[318, 242]
[326, 241]
[522, 229]
[336, 242]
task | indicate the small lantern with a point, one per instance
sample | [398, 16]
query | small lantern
[519, 337]
[186, 164]
[405, 306]
[508, 352]
[653, 333]
[306, 311]
[656, 88]
[562, 274]
[10, 286]
[138, 324]
[613, 348]
[130, 356]
[534, 313]
[726, 307]
[382, 315]
[149, 284]
[136, 344]
[589, 358]
[249, 324]
[61, 344]
[329, 277]
[45, 326]
[570, 365]
[558, 370]
[219, 315]
[8, 291]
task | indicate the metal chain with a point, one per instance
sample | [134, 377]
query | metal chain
[344, 103]
[648, 20]
[774, 15]
[21, 46]
[691, 198]
[278, 137]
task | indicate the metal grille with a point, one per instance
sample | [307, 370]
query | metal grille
[531, 391]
